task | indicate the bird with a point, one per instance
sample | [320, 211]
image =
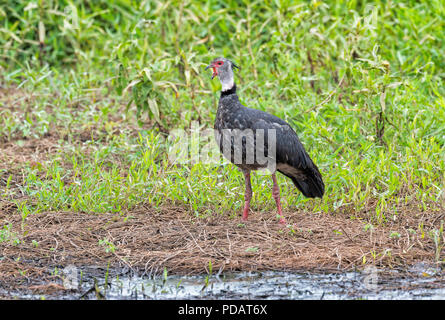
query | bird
[253, 139]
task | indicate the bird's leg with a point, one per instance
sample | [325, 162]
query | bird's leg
[247, 194]
[276, 196]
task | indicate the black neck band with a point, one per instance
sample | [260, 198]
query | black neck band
[229, 92]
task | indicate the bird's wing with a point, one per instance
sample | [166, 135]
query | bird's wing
[291, 158]
[288, 148]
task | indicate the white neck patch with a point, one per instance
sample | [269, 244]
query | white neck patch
[227, 84]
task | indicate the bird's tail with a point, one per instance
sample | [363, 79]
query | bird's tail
[311, 185]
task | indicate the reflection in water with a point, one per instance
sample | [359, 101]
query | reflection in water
[420, 282]
[278, 285]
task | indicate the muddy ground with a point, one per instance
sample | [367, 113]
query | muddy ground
[150, 240]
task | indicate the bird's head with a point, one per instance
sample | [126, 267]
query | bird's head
[223, 68]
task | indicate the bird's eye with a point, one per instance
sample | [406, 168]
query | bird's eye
[220, 63]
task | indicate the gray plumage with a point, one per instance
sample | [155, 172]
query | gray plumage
[291, 158]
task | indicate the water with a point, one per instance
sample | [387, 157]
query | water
[277, 285]
[419, 283]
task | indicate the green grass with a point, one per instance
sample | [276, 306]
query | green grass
[361, 82]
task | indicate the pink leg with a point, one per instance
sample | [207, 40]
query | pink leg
[276, 196]
[247, 195]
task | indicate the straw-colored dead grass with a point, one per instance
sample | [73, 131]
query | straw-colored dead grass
[151, 239]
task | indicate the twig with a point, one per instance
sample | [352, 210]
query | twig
[341, 227]
[328, 98]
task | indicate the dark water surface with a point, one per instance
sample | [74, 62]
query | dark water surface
[279, 285]
[420, 282]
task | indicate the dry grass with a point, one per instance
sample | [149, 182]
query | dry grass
[149, 240]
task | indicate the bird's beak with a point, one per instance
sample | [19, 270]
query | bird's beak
[215, 72]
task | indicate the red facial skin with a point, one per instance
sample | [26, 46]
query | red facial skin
[215, 67]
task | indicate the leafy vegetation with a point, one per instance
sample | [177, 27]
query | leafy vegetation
[106, 81]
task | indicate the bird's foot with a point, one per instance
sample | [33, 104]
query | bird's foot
[282, 220]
